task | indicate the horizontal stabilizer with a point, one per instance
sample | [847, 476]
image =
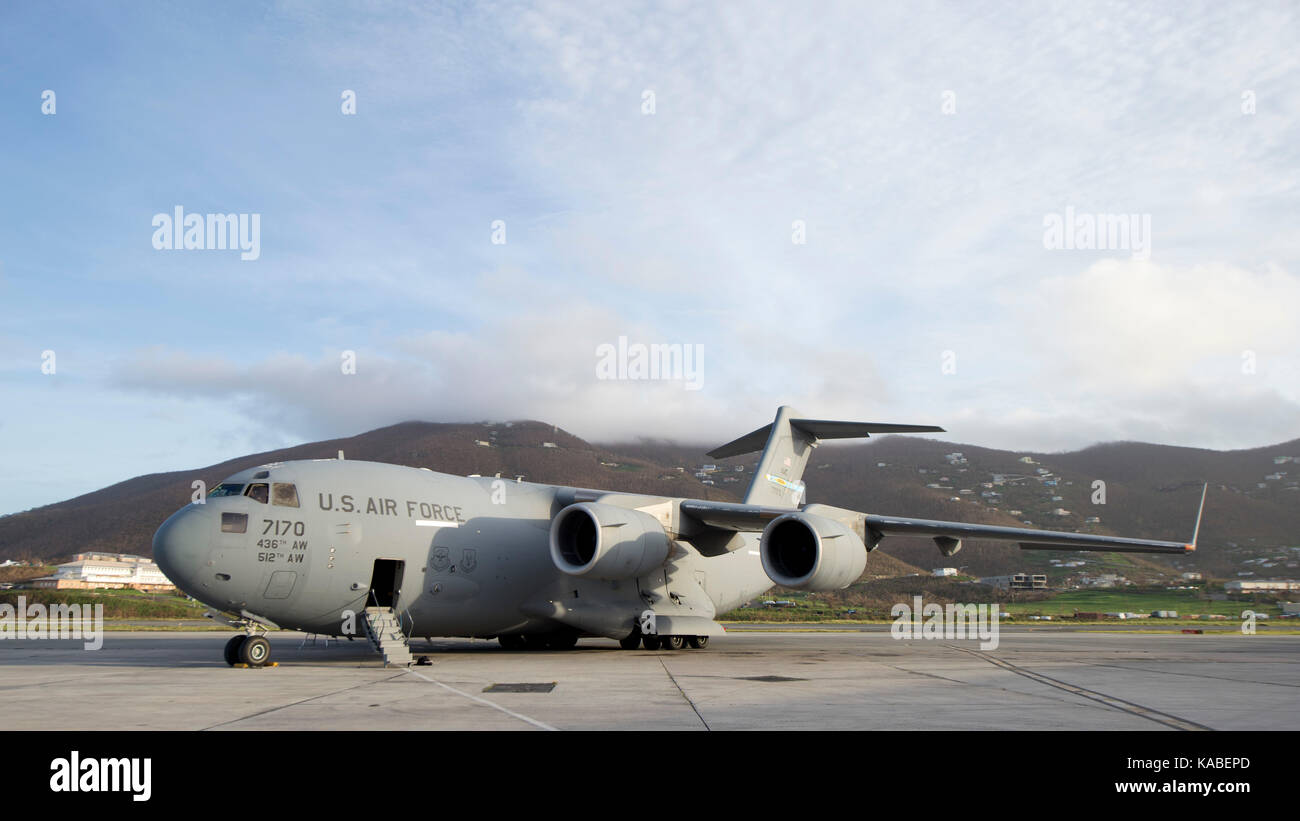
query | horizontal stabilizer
[817, 429]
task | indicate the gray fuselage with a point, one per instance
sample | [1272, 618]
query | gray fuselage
[318, 541]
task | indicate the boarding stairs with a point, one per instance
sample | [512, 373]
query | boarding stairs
[385, 632]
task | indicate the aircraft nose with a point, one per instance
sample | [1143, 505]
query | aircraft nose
[180, 546]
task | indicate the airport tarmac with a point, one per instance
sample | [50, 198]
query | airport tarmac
[748, 679]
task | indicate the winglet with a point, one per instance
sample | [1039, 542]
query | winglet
[1197, 530]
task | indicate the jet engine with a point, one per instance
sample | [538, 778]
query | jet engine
[606, 542]
[810, 552]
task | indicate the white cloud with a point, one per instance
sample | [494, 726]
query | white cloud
[924, 230]
[1126, 324]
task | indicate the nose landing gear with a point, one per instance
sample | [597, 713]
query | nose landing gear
[250, 651]
[232, 649]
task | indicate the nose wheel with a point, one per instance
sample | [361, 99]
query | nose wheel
[232, 650]
[254, 651]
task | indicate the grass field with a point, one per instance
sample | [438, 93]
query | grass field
[118, 604]
[1186, 602]
[810, 608]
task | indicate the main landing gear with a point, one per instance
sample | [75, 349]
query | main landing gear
[567, 639]
[253, 651]
[663, 642]
[556, 640]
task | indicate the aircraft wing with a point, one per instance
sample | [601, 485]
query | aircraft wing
[730, 516]
[1028, 539]
[734, 516]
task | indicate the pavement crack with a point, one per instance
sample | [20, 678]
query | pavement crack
[1114, 702]
[927, 675]
[1194, 675]
[673, 679]
[300, 701]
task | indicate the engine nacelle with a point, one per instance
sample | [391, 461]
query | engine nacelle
[607, 542]
[810, 552]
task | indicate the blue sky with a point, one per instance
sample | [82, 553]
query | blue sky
[924, 226]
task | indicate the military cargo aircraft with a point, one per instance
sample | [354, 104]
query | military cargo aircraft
[385, 552]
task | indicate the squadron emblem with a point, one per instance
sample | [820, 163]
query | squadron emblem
[441, 559]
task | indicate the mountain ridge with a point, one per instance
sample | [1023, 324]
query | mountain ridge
[1150, 489]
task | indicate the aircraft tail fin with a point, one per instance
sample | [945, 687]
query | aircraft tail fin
[787, 443]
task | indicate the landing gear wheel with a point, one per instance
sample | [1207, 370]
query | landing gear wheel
[535, 641]
[562, 640]
[673, 642]
[232, 649]
[255, 651]
[512, 641]
[631, 642]
[698, 642]
[650, 642]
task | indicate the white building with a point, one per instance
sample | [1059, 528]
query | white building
[1017, 581]
[88, 571]
[1249, 585]
[1104, 580]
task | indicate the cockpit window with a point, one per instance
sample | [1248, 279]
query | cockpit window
[283, 494]
[258, 492]
[226, 489]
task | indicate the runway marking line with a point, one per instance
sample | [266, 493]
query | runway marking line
[1110, 701]
[541, 725]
